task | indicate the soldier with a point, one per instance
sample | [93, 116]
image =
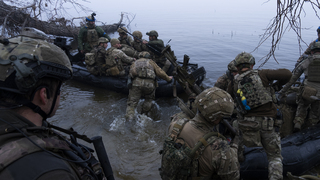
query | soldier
[124, 38]
[117, 59]
[32, 72]
[157, 44]
[96, 59]
[143, 73]
[310, 87]
[259, 122]
[214, 158]
[308, 50]
[89, 35]
[137, 44]
[224, 82]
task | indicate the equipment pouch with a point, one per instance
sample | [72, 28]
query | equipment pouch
[114, 71]
[250, 133]
[267, 124]
[89, 58]
[307, 92]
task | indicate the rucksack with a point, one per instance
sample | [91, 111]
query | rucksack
[179, 161]
[90, 58]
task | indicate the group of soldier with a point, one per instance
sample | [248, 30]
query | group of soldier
[33, 70]
[125, 57]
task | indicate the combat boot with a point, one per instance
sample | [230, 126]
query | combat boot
[297, 127]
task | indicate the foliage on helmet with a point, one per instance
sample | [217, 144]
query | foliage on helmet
[214, 103]
[114, 41]
[137, 34]
[232, 67]
[315, 45]
[25, 60]
[152, 33]
[103, 40]
[122, 30]
[244, 58]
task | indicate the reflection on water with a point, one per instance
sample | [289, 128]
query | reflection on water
[212, 37]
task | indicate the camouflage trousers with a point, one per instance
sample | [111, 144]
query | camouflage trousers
[95, 70]
[260, 131]
[146, 89]
[302, 113]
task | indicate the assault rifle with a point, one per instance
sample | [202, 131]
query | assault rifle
[153, 49]
[185, 79]
[239, 106]
[98, 146]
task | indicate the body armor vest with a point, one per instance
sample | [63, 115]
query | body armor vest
[110, 60]
[92, 37]
[313, 69]
[143, 69]
[253, 90]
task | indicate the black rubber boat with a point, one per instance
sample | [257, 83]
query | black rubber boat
[300, 152]
[119, 84]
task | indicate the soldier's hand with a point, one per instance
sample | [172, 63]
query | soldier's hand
[170, 78]
[144, 42]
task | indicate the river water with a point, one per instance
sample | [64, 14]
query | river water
[211, 32]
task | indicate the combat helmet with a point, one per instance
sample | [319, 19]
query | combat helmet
[103, 40]
[232, 67]
[214, 103]
[138, 34]
[25, 60]
[244, 58]
[152, 33]
[122, 30]
[114, 41]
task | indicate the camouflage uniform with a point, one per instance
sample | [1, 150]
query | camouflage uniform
[217, 159]
[116, 61]
[88, 38]
[98, 68]
[310, 68]
[139, 46]
[130, 51]
[258, 124]
[28, 148]
[143, 73]
[158, 44]
[127, 41]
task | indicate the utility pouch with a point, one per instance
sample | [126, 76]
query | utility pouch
[307, 92]
[267, 124]
[114, 71]
[89, 58]
[250, 133]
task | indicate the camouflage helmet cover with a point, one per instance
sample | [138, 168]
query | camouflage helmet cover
[244, 58]
[114, 41]
[103, 40]
[232, 67]
[213, 103]
[25, 60]
[91, 18]
[152, 33]
[122, 30]
[137, 33]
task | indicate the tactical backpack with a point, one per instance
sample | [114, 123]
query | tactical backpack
[90, 58]
[179, 161]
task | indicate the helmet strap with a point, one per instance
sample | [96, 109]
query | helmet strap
[36, 109]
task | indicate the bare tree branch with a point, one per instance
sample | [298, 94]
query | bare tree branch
[288, 18]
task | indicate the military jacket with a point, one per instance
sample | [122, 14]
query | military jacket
[158, 45]
[139, 46]
[37, 165]
[83, 44]
[118, 56]
[101, 54]
[126, 41]
[219, 158]
[303, 68]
